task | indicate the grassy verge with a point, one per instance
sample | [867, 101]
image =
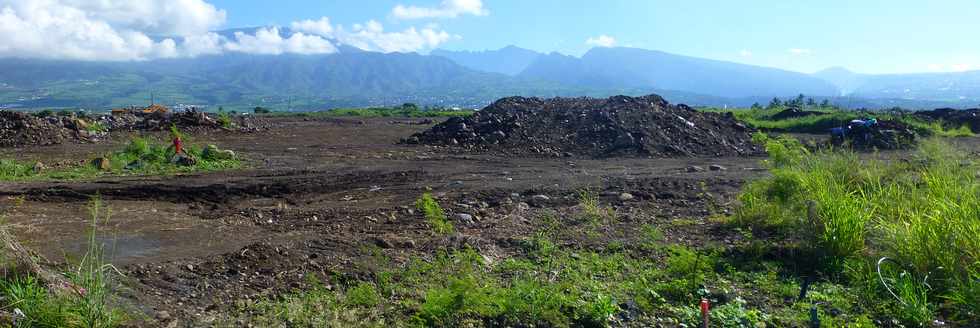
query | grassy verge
[141, 156]
[828, 118]
[86, 303]
[847, 213]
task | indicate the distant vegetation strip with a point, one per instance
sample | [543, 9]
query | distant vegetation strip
[405, 110]
[822, 119]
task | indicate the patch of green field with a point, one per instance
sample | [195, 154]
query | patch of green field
[141, 156]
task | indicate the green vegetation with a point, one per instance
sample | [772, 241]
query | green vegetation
[85, 303]
[141, 156]
[556, 282]
[847, 212]
[405, 110]
[434, 214]
[830, 117]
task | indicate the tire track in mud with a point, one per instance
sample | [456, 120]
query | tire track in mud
[216, 189]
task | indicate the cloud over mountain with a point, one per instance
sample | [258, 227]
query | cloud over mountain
[133, 30]
[446, 9]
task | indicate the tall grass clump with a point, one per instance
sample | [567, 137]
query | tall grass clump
[922, 212]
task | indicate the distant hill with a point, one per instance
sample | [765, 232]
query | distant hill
[509, 60]
[354, 77]
[948, 87]
[632, 67]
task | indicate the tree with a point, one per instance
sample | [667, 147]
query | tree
[799, 99]
[756, 106]
[810, 102]
[260, 110]
[825, 103]
[774, 103]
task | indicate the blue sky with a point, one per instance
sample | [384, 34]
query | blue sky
[869, 36]
[866, 36]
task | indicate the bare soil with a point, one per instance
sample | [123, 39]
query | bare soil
[318, 194]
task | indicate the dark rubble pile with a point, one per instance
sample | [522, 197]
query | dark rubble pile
[616, 126]
[190, 119]
[23, 129]
[954, 118]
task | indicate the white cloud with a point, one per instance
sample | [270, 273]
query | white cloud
[745, 53]
[446, 9]
[100, 30]
[319, 27]
[799, 51]
[126, 30]
[268, 41]
[372, 36]
[601, 41]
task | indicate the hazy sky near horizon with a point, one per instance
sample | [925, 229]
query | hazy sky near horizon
[871, 36]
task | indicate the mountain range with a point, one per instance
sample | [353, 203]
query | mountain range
[353, 77]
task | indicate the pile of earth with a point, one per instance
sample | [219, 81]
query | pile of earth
[954, 118]
[190, 120]
[23, 129]
[886, 134]
[616, 126]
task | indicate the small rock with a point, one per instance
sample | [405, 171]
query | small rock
[38, 167]
[163, 315]
[626, 196]
[408, 244]
[464, 218]
[541, 198]
[695, 168]
[102, 164]
[381, 242]
[716, 167]
[190, 267]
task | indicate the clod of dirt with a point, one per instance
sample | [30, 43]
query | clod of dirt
[954, 117]
[616, 126]
[23, 129]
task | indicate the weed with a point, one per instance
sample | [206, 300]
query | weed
[434, 214]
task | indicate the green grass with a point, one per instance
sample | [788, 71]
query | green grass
[762, 119]
[85, 304]
[551, 283]
[849, 211]
[141, 156]
[434, 214]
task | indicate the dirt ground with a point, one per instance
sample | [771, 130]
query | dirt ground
[317, 193]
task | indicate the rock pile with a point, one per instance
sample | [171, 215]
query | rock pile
[22, 129]
[616, 126]
[954, 118]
